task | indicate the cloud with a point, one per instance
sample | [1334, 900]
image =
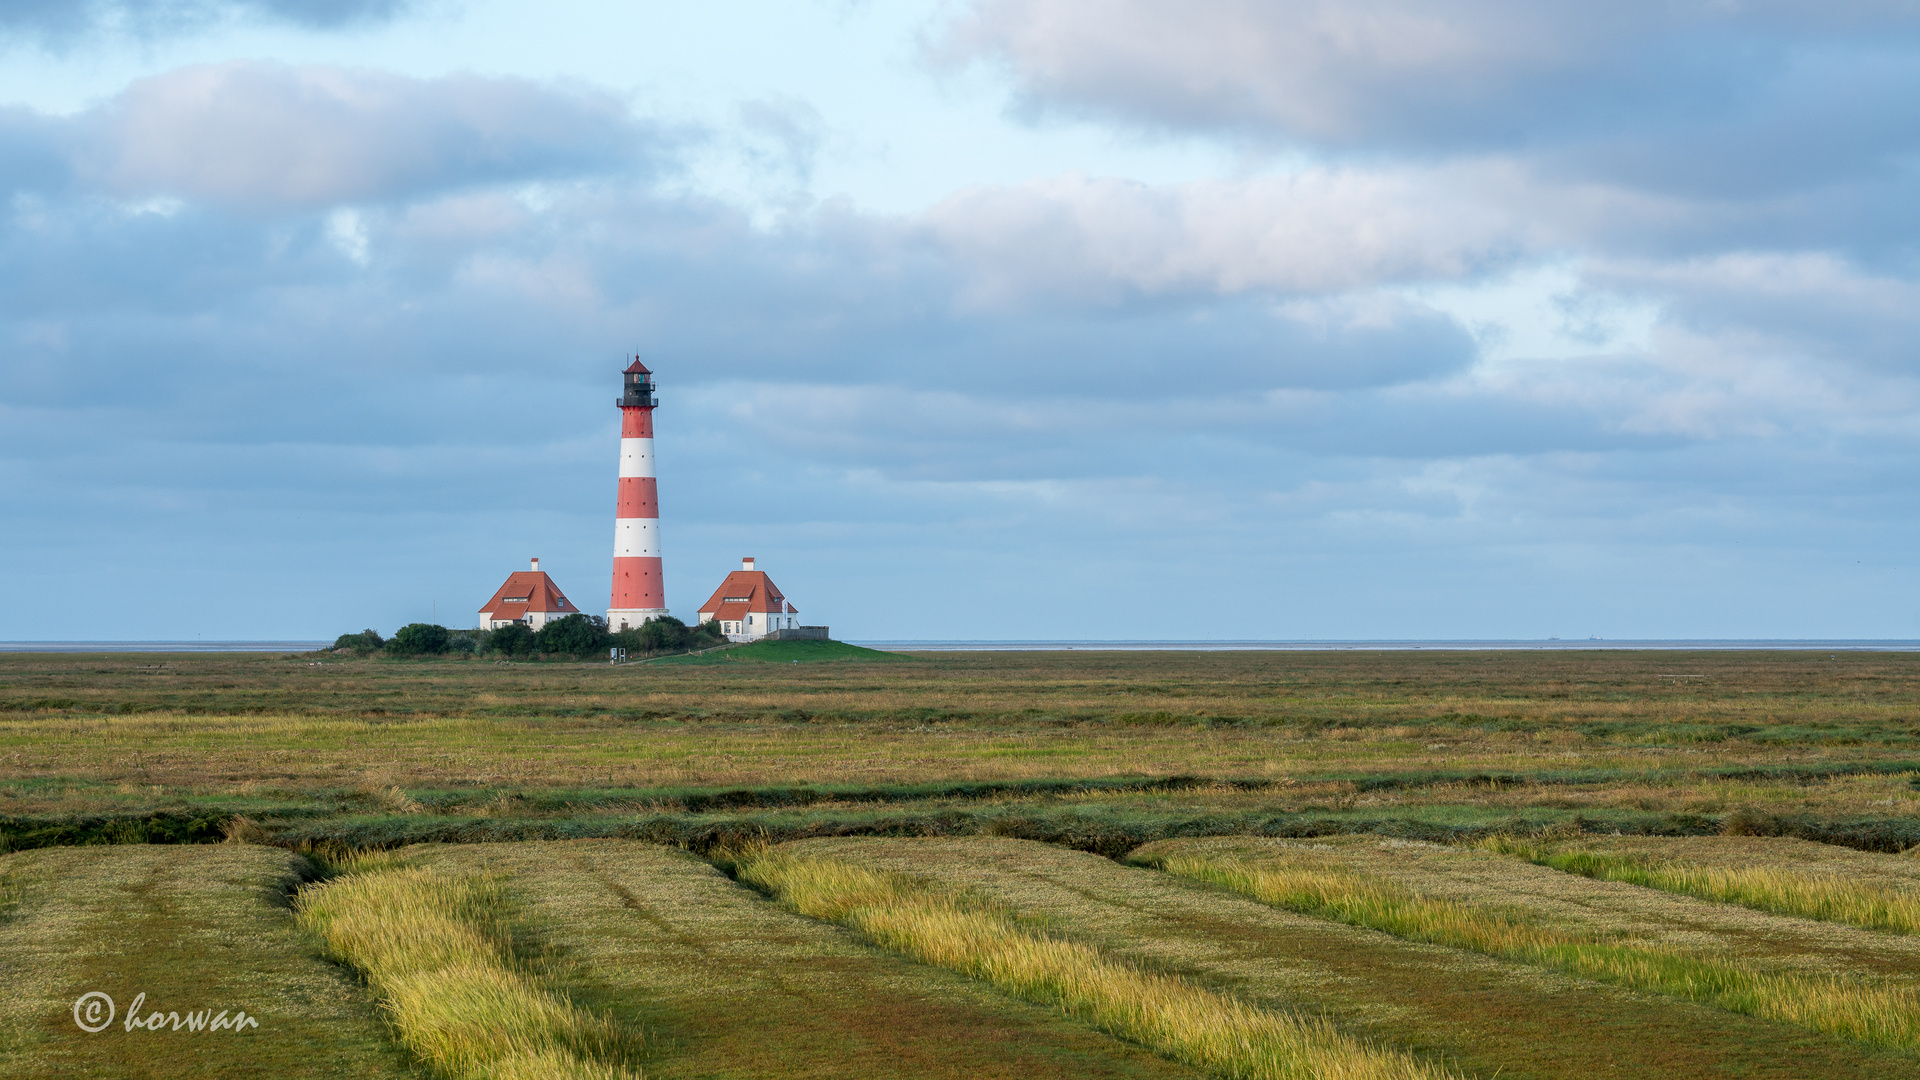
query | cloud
[1474, 74]
[264, 136]
[1314, 232]
[1856, 323]
[785, 136]
[63, 23]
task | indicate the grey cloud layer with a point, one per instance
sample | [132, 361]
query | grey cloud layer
[262, 136]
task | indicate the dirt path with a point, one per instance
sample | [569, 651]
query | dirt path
[1487, 1016]
[195, 929]
[728, 985]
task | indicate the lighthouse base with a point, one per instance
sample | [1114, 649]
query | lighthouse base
[619, 619]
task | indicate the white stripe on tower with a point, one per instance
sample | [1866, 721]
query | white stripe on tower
[636, 457]
[636, 538]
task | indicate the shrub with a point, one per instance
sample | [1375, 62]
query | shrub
[663, 634]
[467, 641]
[575, 635]
[512, 639]
[667, 634]
[418, 639]
[364, 642]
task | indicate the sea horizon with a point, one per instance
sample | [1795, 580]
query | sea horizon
[1121, 645]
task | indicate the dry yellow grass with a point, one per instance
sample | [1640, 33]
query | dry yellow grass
[1867, 1011]
[437, 950]
[1186, 1022]
[1783, 890]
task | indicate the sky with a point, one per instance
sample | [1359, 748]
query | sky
[972, 319]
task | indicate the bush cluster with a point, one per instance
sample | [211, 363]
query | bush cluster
[666, 634]
[364, 642]
[577, 635]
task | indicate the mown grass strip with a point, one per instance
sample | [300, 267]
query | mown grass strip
[1170, 1015]
[1778, 890]
[10, 894]
[1876, 1014]
[437, 949]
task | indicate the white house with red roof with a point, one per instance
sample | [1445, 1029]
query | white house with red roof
[749, 606]
[529, 598]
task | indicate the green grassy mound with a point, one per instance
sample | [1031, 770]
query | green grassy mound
[785, 652]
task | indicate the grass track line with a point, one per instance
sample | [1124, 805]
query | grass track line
[1175, 1017]
[437, 949]
[1828, 897]
[1879, 1015]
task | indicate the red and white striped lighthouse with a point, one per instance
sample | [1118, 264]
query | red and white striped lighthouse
[638, 592]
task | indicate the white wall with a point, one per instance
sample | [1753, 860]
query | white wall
[762, 625]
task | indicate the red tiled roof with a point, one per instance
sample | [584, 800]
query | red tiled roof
[524, 591]
[744, 591]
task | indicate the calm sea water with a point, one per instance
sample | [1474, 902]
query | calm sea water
[162, 646]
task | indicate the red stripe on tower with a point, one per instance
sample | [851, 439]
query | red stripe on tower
[639, 593]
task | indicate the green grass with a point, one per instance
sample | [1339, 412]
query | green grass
[1174, 1016]
[786, 652]
[1876, 1013]
[169, 748]
[196, 929]
[1089, 751]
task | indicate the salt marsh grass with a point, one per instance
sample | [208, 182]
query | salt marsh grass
[1873, 1013]
[1782, 890]
[1186, 1022]
[437, 949]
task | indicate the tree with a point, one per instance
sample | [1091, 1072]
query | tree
[364, 642]
[512, 639]
[709, 633]
[575, 635]
[418, 639]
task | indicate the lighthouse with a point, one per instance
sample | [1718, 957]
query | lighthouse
[638, 592]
